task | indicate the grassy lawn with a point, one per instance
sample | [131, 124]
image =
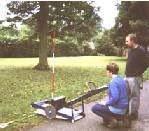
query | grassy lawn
[20, 84]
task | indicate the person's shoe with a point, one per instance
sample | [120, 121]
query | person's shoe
[134, 116]
[126, 121]
[112, 124]
[105, 122]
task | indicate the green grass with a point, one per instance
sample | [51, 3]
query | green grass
[20, 84]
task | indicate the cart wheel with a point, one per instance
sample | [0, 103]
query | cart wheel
[50, 112]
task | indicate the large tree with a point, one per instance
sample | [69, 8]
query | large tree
[71, 18]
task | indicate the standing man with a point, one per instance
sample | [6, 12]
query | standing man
[134, 70]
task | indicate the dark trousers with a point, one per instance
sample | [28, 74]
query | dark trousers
[104, 112]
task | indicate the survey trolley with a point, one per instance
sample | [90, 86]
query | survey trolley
[59, 108]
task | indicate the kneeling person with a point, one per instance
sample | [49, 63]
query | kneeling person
[117, 104]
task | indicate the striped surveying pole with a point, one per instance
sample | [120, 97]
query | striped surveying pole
[53, 71]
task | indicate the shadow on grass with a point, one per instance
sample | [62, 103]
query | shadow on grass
[120, 59]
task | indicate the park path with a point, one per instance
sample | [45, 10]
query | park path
[94, 123]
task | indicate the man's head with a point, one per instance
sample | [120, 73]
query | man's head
[131, 40]
[112, 68]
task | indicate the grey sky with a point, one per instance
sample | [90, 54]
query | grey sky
[108, 11]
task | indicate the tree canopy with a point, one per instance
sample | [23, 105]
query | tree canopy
[132, 18]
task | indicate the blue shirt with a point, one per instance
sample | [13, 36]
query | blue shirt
[118, 98]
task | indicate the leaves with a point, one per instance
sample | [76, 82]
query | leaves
[133, 17]
[77, 18]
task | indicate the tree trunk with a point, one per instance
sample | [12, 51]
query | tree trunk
[42, 31]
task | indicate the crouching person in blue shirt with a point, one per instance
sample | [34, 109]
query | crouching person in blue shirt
[117, 104]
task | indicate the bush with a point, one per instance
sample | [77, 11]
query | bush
[65, 49]
[107, 49]
[19, 49]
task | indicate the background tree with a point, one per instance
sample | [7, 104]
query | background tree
[9, 33]
[104, 44]
[132, 18]
[66, 18]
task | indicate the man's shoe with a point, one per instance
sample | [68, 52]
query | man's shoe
[105, 122]
[126, 121]
[112, 124]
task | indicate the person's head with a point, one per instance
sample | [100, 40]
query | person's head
[131, 40]
[112, 68]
